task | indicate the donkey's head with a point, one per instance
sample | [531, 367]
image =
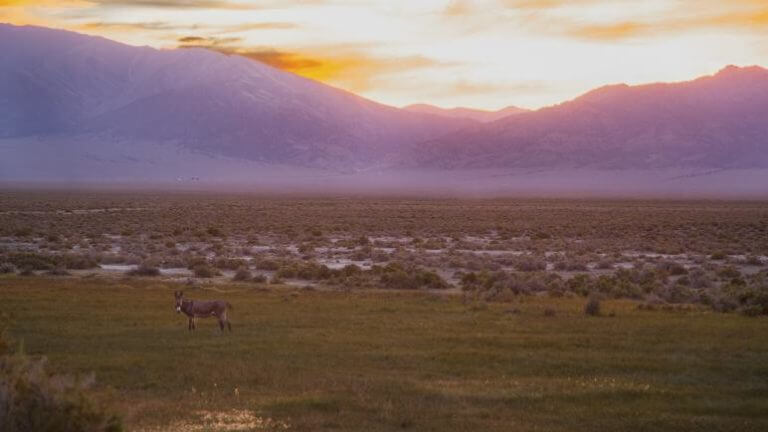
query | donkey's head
[179, 295]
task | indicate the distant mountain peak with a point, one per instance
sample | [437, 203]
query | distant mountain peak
[77, 87]
[712, 122]
[731, 70]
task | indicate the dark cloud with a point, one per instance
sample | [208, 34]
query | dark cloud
[129, 26]
[209, 4]
[259, 26]
[167, 26]
[282, 60]
[348, 66]
[192, 40]
[207, 41]
[279, 59]
[176, 4]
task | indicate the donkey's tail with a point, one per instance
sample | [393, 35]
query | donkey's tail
[229, 306]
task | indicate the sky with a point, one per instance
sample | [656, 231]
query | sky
[484, 54]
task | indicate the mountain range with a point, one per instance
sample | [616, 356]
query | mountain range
[714, 122]
[87, 109]
[57, 83]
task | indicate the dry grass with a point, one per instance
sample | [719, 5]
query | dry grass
[382, 361]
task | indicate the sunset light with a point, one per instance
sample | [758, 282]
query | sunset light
[482, 54]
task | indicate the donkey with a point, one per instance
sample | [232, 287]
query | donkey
[203, 309]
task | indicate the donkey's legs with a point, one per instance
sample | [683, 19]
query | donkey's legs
[189, 324]
[221, 324]
[225, 318]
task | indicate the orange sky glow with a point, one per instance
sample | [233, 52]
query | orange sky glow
[482, 54]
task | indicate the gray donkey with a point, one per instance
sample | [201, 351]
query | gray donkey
[203, 309]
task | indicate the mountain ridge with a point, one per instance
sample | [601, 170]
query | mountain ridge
[715, 121]
[58, 82]
[82, 107]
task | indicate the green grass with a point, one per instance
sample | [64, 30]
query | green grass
[380, 361]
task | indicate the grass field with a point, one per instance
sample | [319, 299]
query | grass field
[378, 361]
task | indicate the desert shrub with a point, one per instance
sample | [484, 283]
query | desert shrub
[751, 299]
[115, 258]
[306, 248]
[699, 279]
[171, 262]
[434, 244]
[196, 261]
[304, 271]
[592, 308]
[752, 310]
[604, 285]
[504, 286]
[729, 272]
[396, 276]
[214, 231]
[361, 254]
[23, 232]
[530, 264]
[33, 399]
[7, 267]
[719, 301]
[351, 270]
[675, 293]
[260, 278]
[398, 279]
[651, 302]
[242, 274]
[267, 264]
[718, 256]
[57, 271]
[580, 284]
[604, 264]
[229, 263]
[31, 261]
[627, 289]
[472, 281]
[145, 269]
[205, 271]
[672, 268]
[567, 264]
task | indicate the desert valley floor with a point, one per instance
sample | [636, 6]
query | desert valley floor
[396, 313]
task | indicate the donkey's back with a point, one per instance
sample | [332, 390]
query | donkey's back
[210, 308]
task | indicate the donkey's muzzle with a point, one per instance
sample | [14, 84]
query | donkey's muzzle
[178, 310]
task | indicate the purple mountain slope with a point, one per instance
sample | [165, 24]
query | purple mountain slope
[64, 84]
[717, 122]
[466, 113]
